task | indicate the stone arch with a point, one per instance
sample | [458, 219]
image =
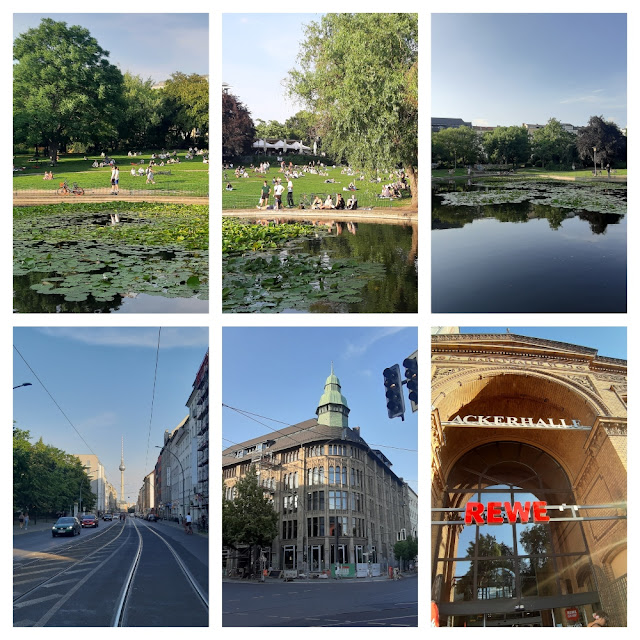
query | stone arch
[458, 390]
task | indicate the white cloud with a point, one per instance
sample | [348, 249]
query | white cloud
[170, 337]
[355, 349]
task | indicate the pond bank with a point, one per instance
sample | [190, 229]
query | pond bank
[389, 216]
[33, 198]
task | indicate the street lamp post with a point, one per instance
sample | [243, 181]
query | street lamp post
[181, 469]
[595, 166]
[24, 384]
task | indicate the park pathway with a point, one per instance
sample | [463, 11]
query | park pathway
[33, 198]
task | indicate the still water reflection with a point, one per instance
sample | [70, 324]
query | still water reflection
[527, 257]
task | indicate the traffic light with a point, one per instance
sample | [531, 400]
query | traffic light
[410, 365]
[393, 386]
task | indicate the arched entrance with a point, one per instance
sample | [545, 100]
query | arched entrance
[512, 574]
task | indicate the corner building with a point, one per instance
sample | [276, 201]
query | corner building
[337, 499]
[539, 423]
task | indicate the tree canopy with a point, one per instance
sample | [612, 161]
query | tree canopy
[610, 143]
[47, 479]
[64, 87]
[406, 550]
[359, 74]
[248, 519]
[66, 93]
[507, 145]
[238, 129]
[552, 144]
[456, 145]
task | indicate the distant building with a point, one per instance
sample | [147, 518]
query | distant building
[95, 471]
[438, 124]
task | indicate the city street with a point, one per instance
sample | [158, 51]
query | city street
[321, 603]
[134, 573]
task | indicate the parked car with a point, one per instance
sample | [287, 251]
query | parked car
[107, 516]
[66, 526]
[89, 520]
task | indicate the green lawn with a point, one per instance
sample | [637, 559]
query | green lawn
[190, 176]
[246, 191]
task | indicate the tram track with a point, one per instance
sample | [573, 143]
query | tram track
[123, 577]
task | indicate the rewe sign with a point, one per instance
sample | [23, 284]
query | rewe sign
[477, 513]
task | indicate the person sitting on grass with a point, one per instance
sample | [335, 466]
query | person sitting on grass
[48, 175]
[317, 203]
[229, 187]
[133, 172]
[328, 203]
[352, 203]
[352, 186]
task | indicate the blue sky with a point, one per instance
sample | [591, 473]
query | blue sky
[151, 45]
[103, 378]
[256, 68]
[280, 373]
[509, 69]
[610, 342]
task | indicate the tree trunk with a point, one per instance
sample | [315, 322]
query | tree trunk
[53, 152]
[412, 173]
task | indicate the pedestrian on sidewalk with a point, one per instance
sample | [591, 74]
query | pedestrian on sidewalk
[21, 519]
[26, 521]
[187, 523]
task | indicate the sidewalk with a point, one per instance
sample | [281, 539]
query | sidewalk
[176, 525]
[40, 525]
[406, 576]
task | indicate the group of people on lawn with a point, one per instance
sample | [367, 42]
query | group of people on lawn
[318, 203]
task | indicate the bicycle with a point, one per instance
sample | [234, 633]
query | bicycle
[64, 189]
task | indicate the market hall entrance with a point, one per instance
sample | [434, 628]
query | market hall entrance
[512, 574]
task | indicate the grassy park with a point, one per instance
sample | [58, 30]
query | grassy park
[189, 177]
[102, 248]
[246, 191]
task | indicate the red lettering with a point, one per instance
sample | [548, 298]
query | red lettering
[494, 513]
[473, 512]
[517, 510]
[540, 512]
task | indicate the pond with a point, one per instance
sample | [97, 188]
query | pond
[77, 262]
[528, 248]
[340, 267]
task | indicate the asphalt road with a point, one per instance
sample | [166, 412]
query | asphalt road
[93, 580]
[326, 603]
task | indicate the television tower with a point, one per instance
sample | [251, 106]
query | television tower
[122, 472]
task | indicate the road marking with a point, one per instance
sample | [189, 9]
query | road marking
[55, 584]
[376, 620]
[23, 623]
[28, 603]
[312, 618]
[77, 571]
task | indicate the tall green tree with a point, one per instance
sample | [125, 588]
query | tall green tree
[507, 145]
[459, 145]
[142, 113]
[238, 129]
[250, 518]
[552, 144]
[45, 478]
[609, 141]
[64, 88]
[406, 550]
[187, 105]
[359, 74]
[271, 129]
[302, 126]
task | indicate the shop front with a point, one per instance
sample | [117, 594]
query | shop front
[528, 482]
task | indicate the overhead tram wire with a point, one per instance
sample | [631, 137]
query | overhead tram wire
[153, 397]
[248, 414]
[54, 400]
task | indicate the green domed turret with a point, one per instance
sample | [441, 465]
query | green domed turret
[333, 410]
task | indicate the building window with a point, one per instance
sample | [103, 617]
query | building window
[342, 556]
[321, 475]
[331, 475]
